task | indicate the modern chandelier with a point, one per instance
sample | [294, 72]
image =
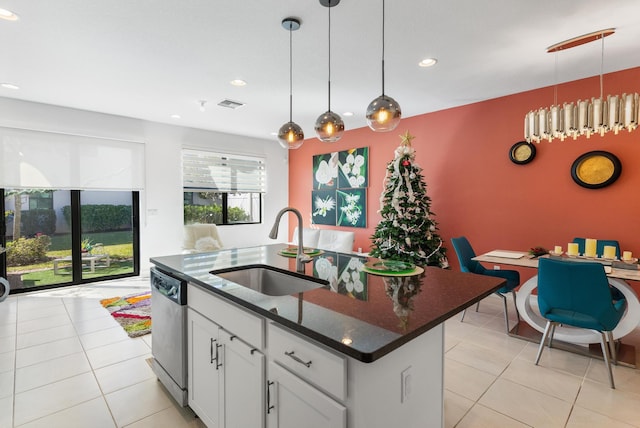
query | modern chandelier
[383, 113]
[329, 125]
[585, 117]
[290, 134]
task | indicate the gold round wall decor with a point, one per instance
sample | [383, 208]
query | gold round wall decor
[522, 152]
[596, 169]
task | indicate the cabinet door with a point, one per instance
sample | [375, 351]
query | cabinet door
[293, 403]
[244, 390]
[204, 373]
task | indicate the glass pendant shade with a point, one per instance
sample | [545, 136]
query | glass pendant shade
[290, 135]
[329, 127]
[383, 114]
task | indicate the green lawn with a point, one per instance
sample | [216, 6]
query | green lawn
[117, 244]
[46, 277]
[63, 242]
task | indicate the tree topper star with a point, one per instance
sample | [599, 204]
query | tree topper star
[406, 139]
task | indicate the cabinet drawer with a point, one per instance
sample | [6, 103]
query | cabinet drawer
[311, 362]
[227, 315]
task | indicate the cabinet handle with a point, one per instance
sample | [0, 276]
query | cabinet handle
[269, 406]
[213, 341]
[218, 363]
[295, 358]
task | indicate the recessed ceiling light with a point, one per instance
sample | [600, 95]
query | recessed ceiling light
[9, 86]
[8, 15]
[428, 62]
[238, 82]
[347, 113]
[175, 116]
[274, 133]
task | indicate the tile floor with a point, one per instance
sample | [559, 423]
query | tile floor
[64, 362]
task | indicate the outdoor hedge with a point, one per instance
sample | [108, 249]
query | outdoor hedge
[38, 221]
[101, 218]
[213, 214]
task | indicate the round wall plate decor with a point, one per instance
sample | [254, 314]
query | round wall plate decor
[596, 169]
[522, 152]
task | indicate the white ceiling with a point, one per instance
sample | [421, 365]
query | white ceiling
[150, 59]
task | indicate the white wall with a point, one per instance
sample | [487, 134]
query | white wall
[161, 201]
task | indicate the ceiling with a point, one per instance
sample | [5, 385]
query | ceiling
[151, 59]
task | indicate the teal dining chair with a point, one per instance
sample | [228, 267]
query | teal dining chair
[600, 244]
[465, 254]
[577, 294]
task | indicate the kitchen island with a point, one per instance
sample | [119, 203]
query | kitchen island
[360, 351]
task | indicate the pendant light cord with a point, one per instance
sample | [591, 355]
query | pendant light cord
[290, 72]
[601, 63]
[383, 48]
[555, 78]
[329, 80]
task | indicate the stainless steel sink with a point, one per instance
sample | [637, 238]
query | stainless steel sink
[271, 282]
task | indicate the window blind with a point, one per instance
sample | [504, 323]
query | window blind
[223, 172]
[49, 160]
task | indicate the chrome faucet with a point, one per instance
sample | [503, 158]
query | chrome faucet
[301, 257]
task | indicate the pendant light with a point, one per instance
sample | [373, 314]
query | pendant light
[290, 134]
[383, 113]
[329, 125]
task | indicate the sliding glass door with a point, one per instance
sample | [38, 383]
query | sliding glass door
[62, 237]
[107, 233]
[35, 238]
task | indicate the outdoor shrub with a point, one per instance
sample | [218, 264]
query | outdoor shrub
[101, 218]
[211, 214]
[26, 251]
[42, 221]
[237, 215]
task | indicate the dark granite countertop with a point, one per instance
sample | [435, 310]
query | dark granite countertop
[361, 315]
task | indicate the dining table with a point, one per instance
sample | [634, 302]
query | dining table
[532, 323]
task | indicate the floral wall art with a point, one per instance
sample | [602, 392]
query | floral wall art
[339, 196]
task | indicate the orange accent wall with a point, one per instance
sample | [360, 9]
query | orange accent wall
[478, 192]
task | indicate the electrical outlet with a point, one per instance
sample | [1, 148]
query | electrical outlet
[405, 384]
[496, 267]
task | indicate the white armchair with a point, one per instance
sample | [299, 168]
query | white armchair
[200, 238]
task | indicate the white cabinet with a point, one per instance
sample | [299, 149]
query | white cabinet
[203, 370]
[316, 365]
[244, 385]
[293, 403]
[300, 372]
[226, 376]
[305, 383]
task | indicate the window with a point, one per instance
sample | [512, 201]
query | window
[40, 200]
[222, 189]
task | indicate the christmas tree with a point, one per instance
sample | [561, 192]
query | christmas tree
[408, 231]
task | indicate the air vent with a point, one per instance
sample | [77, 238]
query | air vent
[230, 104]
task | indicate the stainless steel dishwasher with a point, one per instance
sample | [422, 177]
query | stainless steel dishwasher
[169, 342]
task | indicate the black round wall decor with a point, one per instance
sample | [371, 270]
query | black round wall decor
[596, 169]
[522, 152]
